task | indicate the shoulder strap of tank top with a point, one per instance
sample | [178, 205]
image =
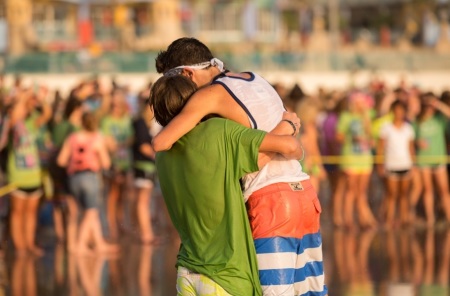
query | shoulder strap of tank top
[220, 75]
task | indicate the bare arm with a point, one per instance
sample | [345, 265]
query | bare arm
[103, 154]
[18, 111]
[288, 146]
[284, 128]
[46, 113]
[213, 99]
[147, 150]
[444, 108]
[412, 151]
[386, 103]
[380, 154]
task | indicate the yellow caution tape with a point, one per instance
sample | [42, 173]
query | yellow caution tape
[7, 189]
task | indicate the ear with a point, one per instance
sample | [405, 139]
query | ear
[189, 73]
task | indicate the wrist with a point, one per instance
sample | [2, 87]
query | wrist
[293, 126]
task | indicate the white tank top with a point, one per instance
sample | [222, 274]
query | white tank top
[265, 109]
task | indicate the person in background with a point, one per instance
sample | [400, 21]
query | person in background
[353, 131]
[23, 169]
[118, 131]
[396, 144]
[70, 123]
[144, 171]
[85, 155]
[432, 155]
[308, 111]
[331, 147]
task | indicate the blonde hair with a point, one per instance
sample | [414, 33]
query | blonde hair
[307, 110]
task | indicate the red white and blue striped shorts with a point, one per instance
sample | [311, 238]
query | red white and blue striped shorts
[285, 221]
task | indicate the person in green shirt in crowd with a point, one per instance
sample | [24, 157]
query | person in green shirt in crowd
[70, 123]
[118, 131]
[199, 180]
[23, 168]
[353, 132]
[432, 155]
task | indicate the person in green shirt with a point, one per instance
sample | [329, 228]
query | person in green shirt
[353, 132]
[199, 180]
[432, 155]
[118, 131]
[70, 123]
[23, 168]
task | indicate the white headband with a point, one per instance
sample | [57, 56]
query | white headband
[215, 62]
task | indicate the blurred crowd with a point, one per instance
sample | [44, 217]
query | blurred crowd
[377, 138]
[92, 150]
[80, 153]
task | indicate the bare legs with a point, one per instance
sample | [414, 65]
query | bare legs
[72, 224]
[112, 205]
[143, 214]
[397, 190]
[337, 180]
[428, 198]
[357, 185]
[115, 212]
[23, 223]
[440, 177]
[58, 222]
[416, 192]
[90, 227]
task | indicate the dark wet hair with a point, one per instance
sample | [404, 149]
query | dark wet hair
[72, 104]
[184, 51]
[89, 121]
[398, 103]
[169, 95]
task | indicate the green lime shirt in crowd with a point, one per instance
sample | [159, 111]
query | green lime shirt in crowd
[24, 169]
[61, 131]
[199, 179]
[432, 132]
[355, 155]
[121, 130]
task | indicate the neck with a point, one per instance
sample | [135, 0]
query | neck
[398, 122]
[213, 73]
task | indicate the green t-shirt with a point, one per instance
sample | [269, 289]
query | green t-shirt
[355, 154]
[378, 124]
[61, 131]
[199, 179]
[432, 132]
[121, 130]
[24, 169]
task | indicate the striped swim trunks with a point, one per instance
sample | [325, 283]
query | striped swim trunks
[285, 221]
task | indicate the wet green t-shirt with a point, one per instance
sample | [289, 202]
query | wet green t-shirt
[24, 169]
[121, 130]
[199, 179]
[356, 154]
[61, 131]
[432, 133]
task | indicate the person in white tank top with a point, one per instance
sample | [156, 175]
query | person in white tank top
[283, 207]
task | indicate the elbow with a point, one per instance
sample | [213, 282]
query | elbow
[294, 149]
[61, 163]
[158, 145]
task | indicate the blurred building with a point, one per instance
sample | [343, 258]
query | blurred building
[270, 25]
